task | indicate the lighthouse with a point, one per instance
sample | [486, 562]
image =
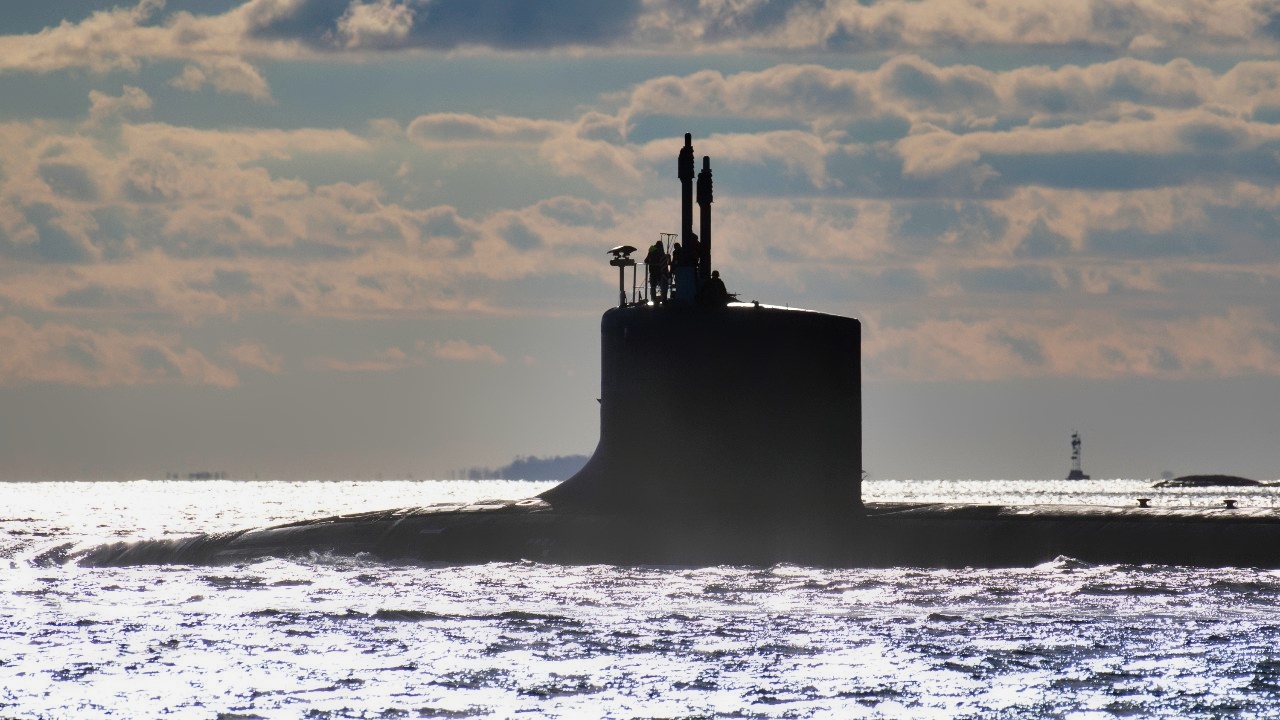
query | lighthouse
[1076, 473]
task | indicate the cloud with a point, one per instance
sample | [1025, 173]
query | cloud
[62, 354]
[519, 236]
[216, 47]
[608, 167]
[916, 84]
[906, 25]
[790, 91]
[68, 180]
[253, 354]
[228, 75]
[1075, 343]
[1128, 25]
[329, 25]
[104, 41]
[449, 24]
[390, 359]
[576, 212]
[104, 108]
[376, 25]
[1167, 148]
[222, 48]
[973, 132]
[911, 190]
[453, 129]
[463, 351]
[48, 233]
[956, 97]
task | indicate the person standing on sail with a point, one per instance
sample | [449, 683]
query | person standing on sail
[655, 264]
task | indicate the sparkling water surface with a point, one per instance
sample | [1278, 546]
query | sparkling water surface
[338, 637]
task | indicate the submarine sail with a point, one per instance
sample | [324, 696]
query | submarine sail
[718, 409]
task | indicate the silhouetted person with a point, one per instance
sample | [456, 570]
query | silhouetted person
[656, 265]
[685, 269]
[691, 250]
[666, 276]
[714, 292]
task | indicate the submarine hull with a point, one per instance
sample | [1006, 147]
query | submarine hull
[881, 535]
[732, 435]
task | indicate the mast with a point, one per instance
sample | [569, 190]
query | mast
[685, 167]
[704, 207]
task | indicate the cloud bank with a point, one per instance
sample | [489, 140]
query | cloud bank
[222, 50]
[1113, 216]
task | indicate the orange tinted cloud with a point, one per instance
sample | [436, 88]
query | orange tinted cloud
[63, 354]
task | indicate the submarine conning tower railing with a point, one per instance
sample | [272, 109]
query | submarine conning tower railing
[714, 410]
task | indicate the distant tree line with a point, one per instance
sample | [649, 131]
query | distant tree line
[528, 467]
[201, 475]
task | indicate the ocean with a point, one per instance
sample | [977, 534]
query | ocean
[353, 637]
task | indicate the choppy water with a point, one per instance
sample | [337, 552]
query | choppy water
[332, 637]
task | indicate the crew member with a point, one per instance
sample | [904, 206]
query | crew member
[655, 264]
[714, 292]
[692, 250]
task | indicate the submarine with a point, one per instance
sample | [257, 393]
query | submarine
[731, 433]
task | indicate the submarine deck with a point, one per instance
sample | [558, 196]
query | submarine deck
[878, 535]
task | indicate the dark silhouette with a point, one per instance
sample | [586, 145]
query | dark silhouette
[692, 251]
[713, 291]
[685, 269]
[622, 260]
[1207, 481]
[704, 212]
[1076, 473]
[685, 172]
[655, 264]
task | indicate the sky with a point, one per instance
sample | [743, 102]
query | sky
[366, 238]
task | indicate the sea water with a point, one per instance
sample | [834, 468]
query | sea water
[354, 637]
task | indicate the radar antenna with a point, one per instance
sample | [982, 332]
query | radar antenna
[622, 260]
